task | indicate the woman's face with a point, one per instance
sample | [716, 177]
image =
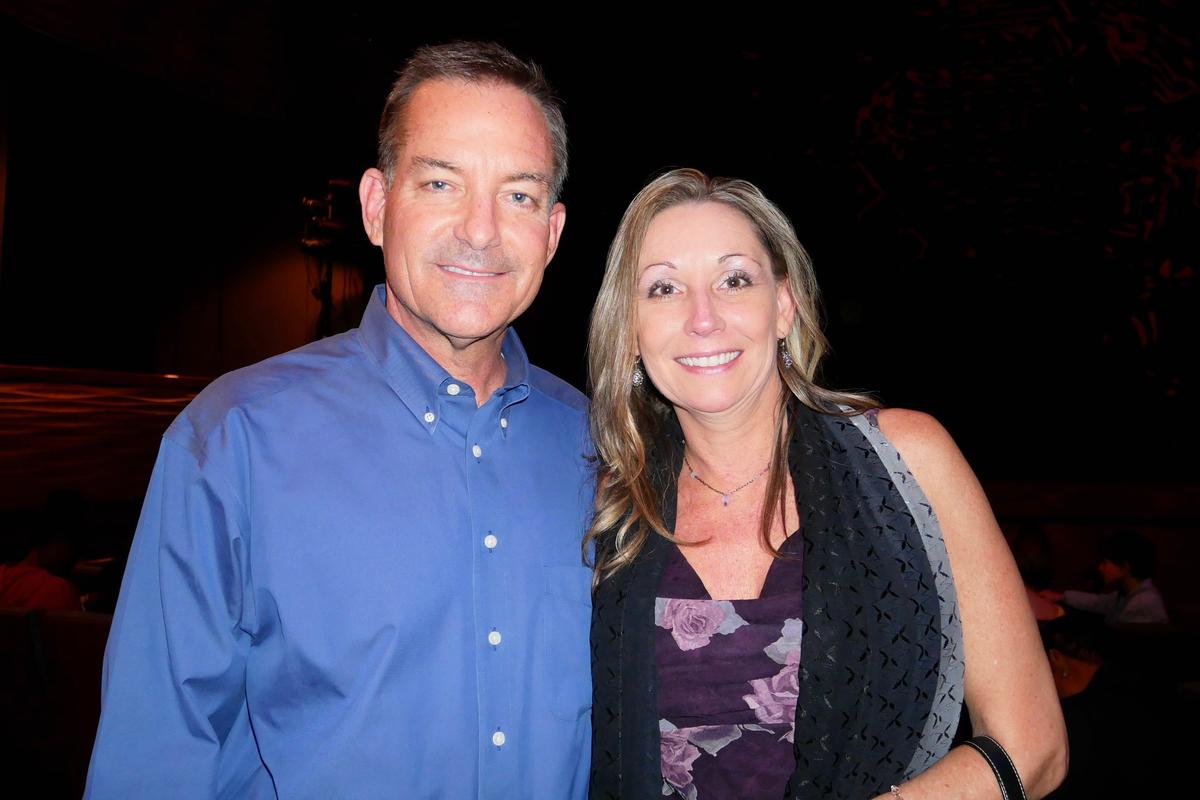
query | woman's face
[709, 310]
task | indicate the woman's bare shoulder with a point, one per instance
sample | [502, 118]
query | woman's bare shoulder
[924, 444]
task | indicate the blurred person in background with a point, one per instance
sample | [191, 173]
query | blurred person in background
[1031, 550]
[1127, 562]
[38, 579]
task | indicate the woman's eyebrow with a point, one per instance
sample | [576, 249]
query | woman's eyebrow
[736, 255]
[656, 264]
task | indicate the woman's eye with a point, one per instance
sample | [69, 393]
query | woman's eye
[738, 280]
[660, 289]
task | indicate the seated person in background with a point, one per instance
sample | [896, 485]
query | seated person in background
[1031, 549]
[35, 581]
[1126, 564]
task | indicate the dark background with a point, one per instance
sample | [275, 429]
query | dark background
[1001, 198]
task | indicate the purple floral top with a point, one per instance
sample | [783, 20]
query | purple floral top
[728, 682]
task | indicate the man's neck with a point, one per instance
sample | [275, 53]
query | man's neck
[1130, 584]
[477, 362]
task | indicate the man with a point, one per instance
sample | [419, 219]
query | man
[1127, 561]
[357, 571]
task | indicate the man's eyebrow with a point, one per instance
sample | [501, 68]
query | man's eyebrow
[535, 177]
[425, 162]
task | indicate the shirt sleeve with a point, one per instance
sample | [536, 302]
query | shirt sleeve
[1087, 601]
[1143, 608]
[173, 709]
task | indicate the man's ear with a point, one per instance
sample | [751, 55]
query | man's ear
[558, 220]
[372, 194]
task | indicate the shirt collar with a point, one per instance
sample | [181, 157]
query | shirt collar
[1145, 586]
[414, 376]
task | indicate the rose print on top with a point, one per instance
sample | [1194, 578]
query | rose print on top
[728, 682]
[774, 699]
[693, 623]
[788, 642]
[677, 757]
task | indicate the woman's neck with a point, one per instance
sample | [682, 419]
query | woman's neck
[727, 449]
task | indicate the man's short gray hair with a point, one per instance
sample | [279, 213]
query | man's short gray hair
[474, 62]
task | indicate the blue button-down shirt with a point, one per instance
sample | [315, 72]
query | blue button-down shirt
[348, 581]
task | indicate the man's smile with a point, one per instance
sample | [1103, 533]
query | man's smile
[469, 273]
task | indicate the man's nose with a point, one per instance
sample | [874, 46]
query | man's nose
[478, 227]
[704, 316]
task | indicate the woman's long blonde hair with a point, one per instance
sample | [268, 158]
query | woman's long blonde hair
[625, 417]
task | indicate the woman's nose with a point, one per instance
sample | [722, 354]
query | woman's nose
[704, 316]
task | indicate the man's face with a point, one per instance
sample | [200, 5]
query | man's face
[466, 228]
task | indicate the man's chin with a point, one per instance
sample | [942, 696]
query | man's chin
[465, 334]
[460, 327]
[471, 322]
[459, 342]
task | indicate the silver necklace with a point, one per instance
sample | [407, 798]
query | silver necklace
[725, 496]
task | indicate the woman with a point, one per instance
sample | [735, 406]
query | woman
[774, 612]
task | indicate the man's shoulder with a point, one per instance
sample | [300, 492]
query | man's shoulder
[259, 383]
[557, 390]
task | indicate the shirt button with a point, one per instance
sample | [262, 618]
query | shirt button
[494, 638]
[504, 422]
[429, 417]
[453, 389]
[477, 451]
[490, 542]
[498, 738]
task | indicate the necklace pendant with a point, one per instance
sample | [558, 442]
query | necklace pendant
[725, 499]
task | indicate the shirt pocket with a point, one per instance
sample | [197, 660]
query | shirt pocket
[566, 638]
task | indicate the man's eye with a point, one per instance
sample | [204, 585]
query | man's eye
[438, 186]
[525, 200]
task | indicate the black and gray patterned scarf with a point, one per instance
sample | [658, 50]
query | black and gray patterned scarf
[880, 668]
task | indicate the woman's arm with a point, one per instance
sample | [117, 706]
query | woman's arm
[1009, 691]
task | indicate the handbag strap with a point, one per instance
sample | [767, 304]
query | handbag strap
[1002, 766]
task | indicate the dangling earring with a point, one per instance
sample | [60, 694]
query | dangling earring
[639, 377]
[785, 355]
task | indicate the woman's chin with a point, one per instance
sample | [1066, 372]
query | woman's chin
[713, 406]
[715, 400]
